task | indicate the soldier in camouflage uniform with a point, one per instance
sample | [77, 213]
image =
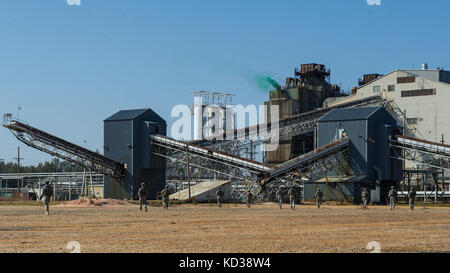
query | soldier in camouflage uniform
[219, 195]
[47, 193]
[318, 197]
[292, 198]
[392, 196]
[365, 197]
[142, 193]
[412, 198]
[249, 198]
[279, 195]
[165, 193]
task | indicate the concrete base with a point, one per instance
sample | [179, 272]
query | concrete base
[205, 191]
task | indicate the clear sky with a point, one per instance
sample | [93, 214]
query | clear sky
[70, 67]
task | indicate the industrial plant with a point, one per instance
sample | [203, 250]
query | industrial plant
[390, 131]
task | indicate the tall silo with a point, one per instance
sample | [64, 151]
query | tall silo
[210, 114]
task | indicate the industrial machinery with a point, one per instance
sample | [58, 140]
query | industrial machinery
[356, 146]
[55, 146]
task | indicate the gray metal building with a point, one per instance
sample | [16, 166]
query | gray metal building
[127, 140]
[369, 130]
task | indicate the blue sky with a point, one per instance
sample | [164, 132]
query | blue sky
[70, 67]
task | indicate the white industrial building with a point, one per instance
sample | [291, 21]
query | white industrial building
[420, 99]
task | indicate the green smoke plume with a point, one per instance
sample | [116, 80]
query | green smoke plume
[265, 83]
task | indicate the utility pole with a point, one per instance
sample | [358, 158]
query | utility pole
[405, 120]
[2, 160]
[18, 158]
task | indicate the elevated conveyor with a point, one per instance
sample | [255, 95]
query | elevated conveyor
[63, 149]
[306, 160]
[172, 145]
[203, 157]
[432, 154]
[293, 126]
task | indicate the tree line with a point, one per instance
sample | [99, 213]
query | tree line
[53, 166]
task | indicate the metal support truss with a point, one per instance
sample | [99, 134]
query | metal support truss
[236, 140]
[431, 154]
[55, 146]
[209, 161]
[332, 159]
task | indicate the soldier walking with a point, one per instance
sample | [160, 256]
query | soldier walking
[392, 196]
[292, 198]
[365, 197]
[249, 198]
[142, 193]
[219, 195]
[165, 193]
[412, 198]
[279, 195]
[318, 196]
[47, 193]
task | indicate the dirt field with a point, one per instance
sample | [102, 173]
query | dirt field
[234, 228]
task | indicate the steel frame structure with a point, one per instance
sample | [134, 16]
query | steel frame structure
[332, 158]
[55, 146]
[297, 125]
[431, 154]
[237, 142]
[208, 160]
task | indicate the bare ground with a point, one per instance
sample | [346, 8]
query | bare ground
[234, 228]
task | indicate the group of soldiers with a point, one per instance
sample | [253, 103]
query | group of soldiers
[143, 193]
[165, 193]
[47, 193]
[291, 193]
[393, 197]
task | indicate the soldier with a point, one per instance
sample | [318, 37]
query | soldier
[412, 198]
[279, 196]
[142, 193]
[47, 193]
[219, 195]
[318, 196]
[365, 197]
[292, 198]
[165, 193]
[392, 196]
[249, 198]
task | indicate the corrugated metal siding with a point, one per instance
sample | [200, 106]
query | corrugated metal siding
[117, 137]
[128, 141]
[357, 132]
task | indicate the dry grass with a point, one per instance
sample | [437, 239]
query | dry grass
[235, 228]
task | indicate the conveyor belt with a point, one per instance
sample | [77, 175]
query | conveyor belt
[432, 154]
[306, 159]
[421, 144]
[264, 172]
[295, 125]
[61, 148]
[235, 161]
